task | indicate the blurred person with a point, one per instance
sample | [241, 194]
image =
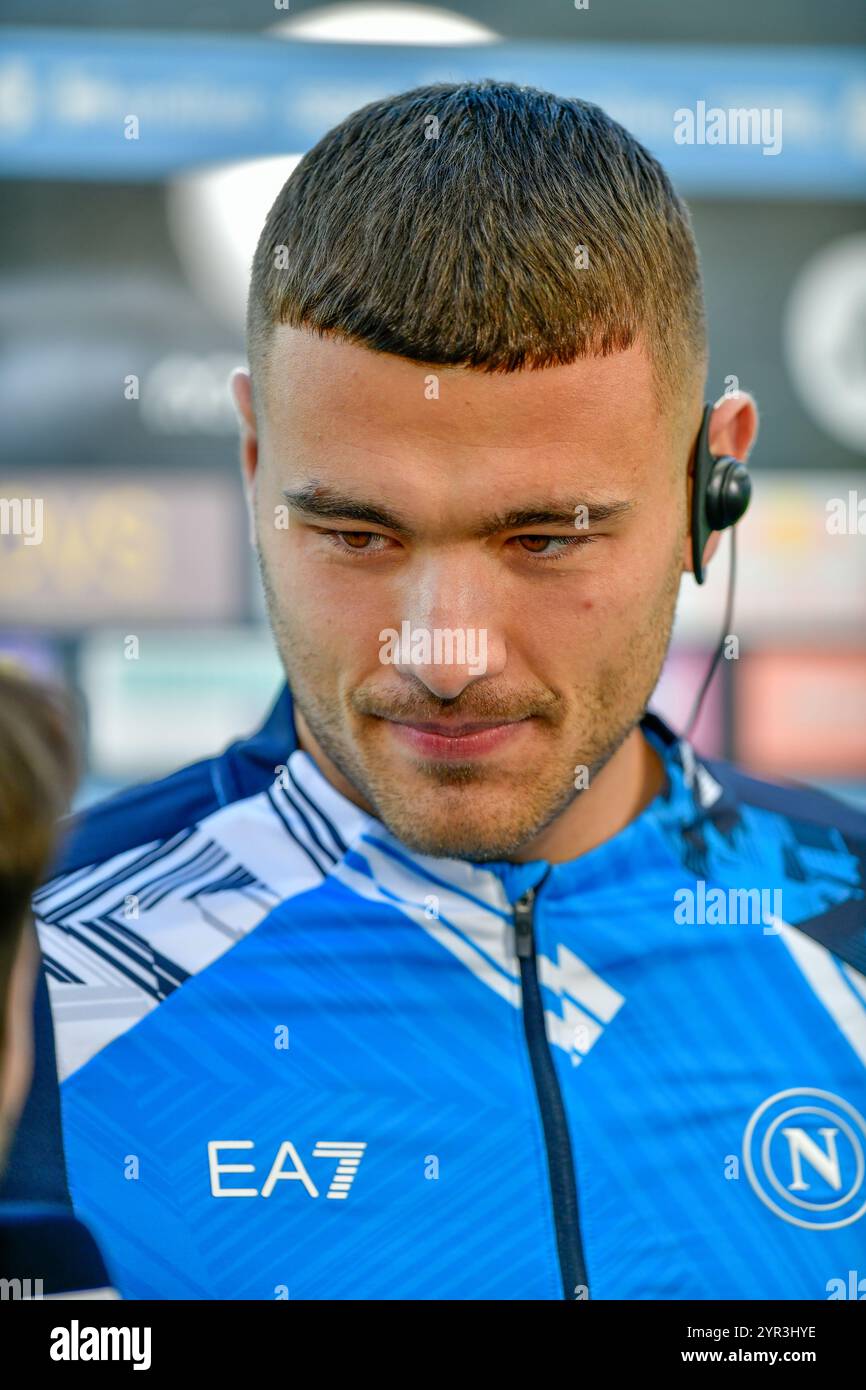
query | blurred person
[45, 1251]
[465, 977]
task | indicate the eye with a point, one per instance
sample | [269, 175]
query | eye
[536, 545]
[355, 542]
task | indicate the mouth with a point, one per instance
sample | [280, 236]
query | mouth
[445, 739]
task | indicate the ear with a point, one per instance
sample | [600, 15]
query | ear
[241, 387]
[733, 430]
[734, 425]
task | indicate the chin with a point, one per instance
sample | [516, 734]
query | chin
[477, 813]
[451, 848]
[456, 837]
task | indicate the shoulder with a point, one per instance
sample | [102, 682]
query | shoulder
[156, 884]
[156, 811]
[802, 846]
[807, 811]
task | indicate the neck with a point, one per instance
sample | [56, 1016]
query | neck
[626, 784]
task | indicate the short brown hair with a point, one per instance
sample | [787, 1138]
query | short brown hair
[462, 249]
[38, 772]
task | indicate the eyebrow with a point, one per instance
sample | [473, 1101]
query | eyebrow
[325, 502]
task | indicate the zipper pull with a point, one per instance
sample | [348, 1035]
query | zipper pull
[523, 934]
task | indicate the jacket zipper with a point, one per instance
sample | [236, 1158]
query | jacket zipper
[560, 1159]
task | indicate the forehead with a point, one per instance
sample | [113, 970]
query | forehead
[330, 403]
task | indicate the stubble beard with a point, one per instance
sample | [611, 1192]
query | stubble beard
[462, 810]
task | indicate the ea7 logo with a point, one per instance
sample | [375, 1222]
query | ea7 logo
[348, 1155]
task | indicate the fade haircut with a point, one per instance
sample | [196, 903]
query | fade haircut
[462, 249]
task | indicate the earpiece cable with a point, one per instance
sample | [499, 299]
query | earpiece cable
[726, 628]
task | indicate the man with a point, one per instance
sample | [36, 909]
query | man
[464, 978]
[45, 1252]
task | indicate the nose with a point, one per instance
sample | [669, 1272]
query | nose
[449, 636]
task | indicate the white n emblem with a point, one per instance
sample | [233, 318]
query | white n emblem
[808, 1126]
[801, 1145]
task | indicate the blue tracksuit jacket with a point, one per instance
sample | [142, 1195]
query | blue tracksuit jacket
[297, 1060]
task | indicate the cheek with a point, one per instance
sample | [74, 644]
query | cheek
[563, 637]
[582, 625]
[335, 616]
[641, 575]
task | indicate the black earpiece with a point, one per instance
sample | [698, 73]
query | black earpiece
[721, 492]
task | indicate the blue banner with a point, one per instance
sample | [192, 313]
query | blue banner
[84, 104]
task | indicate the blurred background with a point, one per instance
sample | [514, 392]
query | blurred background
[140, 148]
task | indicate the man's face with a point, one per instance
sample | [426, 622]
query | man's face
[535, 521]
